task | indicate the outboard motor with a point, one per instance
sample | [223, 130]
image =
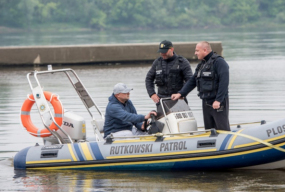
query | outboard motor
[73, 124]
[176, 116]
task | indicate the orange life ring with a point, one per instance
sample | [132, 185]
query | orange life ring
[26, 118]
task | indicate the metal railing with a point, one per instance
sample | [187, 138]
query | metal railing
[81, 91]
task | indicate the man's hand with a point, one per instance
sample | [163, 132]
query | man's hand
[155, 98]
[148, 115]
[175, 96]
[216, 105]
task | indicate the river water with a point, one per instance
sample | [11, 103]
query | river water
[257, 92]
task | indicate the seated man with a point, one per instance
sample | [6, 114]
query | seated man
[121, 118]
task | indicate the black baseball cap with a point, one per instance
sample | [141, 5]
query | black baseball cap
[164, 46]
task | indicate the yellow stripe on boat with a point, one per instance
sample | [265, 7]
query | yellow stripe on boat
[49, 161]
[166, 137]
[253, 138]
[269, 146]
[86, 151]
[161, 161]
[233, 139]
[256, 143]
[71, 152]
[162, 154]
[141, 139]
[186, 136]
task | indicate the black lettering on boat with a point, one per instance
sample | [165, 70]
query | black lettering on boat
[117, 150]
[137, 148]
[173, 146]
[274, 131]
[131, 149]
[279, 129]
[112, 150]
[180, 145]
[166, 147]
[126, 149]
[268, 132]
[68, 124]
[122, 148]
[147, 148]
[206, 143]
[162, 145]
[142, 148]
[184, 144]
[171, 143]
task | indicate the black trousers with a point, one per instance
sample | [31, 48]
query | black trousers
[214, 118]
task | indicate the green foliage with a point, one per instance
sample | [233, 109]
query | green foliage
[241, 12]
[271, 8]
[113, 14]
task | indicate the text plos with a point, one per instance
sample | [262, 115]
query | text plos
[275, 131]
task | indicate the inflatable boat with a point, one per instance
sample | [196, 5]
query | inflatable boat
[173, 141]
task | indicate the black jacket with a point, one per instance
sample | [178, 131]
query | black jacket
[184, 71]
[222, 74]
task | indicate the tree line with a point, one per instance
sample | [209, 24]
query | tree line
[136, 14]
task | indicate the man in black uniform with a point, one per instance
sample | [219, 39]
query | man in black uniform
[170, 71]
[212, 80]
